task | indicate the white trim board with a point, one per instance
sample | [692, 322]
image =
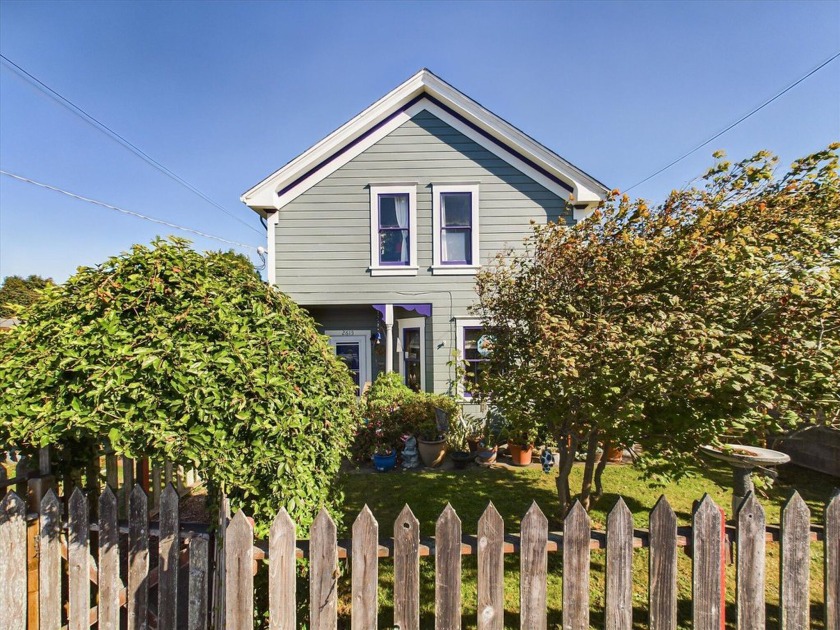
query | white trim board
[438, 267]
[377, 268]
[265, 194]
[412, 322]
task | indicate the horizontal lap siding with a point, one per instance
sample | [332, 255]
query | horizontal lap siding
[323, 236]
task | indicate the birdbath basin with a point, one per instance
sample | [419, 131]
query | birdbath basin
[743, 459]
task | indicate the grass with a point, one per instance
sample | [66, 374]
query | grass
[513, 490]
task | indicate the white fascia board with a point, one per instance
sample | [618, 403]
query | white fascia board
[586, 188]
[265, 194]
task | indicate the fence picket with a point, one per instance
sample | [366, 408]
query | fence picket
[112, 476]
[128, 483]
[491, 567]
[706, 578]
[619, 577]
[750, 576]
[795, 564]
[78, 565]
[323, 578]
[22, 470]
[832, 562]
[13, 562]
[49, 562]
[197, 604]
[137, 593]
[3, 476]
[576, 533]
[155, 485]
[448, 570]
[219, 579]
[239, 578]
[533, 572]
[281, 573]
[365, 570]
[407, 570]
[168, 548]
[109, 562]
[662, 568]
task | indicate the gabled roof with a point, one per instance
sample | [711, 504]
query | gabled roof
[423, 91]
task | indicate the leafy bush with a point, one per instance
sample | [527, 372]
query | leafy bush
[392, 410]
[190, 357]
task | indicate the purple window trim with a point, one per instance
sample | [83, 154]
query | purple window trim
[468, 228]
[421, 309]
[386, 263]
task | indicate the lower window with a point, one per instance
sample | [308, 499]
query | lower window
[475, 363]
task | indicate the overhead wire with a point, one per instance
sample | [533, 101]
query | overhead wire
[737, 122]
[131, 213]
[102, 127]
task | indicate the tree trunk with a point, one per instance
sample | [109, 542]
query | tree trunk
[566, 445]
[589, 468]
[599, 470]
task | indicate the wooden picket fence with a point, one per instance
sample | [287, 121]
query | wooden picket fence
[221, 582]
[120, 474]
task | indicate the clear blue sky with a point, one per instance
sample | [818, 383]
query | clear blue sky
[225, 93]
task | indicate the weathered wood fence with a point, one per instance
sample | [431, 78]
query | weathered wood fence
[34, 477]
[226, 600]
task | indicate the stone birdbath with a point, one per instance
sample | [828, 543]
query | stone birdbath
[743, 459]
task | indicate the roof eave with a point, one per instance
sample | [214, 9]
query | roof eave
[262, 197]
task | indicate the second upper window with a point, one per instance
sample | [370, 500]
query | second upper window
[455, 228]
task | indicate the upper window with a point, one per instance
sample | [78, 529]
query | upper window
[393, 229]
[455, 228]
[394, 247]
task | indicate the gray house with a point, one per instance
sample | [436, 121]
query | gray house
[379, 229]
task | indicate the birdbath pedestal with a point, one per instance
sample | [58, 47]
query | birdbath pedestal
[743, 459]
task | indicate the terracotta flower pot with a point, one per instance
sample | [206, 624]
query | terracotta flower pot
[432, 452]
[520, 455]
[615, 454]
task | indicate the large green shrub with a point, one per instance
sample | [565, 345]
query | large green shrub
[191, 357]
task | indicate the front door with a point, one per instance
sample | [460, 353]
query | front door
[353, 348]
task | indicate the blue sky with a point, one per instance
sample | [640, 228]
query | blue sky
[225, 93]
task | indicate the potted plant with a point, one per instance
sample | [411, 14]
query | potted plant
[488, 448]
[430, 443]
[521, 440]
[384, 458]
[474, 430]
[456, 440]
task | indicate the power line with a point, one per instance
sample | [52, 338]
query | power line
[737, 122]
[99, 125]
[130, 213]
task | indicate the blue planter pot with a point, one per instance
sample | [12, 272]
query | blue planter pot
[384, 463]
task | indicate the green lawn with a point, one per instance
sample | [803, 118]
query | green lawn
[513, 490]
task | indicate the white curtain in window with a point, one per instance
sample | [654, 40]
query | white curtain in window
[454, 246]
[401, 211]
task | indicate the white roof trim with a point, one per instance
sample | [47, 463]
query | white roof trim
[264, 195]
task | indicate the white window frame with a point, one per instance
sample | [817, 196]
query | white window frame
[377, 269]
[460, 324]
[444, 269]
[412, 322]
